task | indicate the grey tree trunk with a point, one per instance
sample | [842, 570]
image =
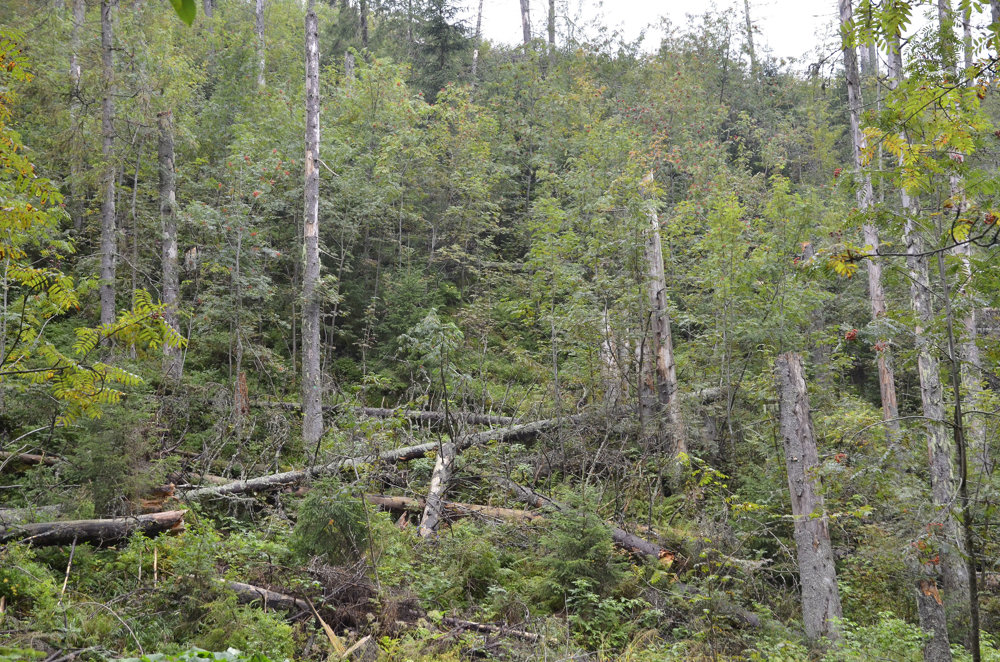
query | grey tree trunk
[750, 45]
[364, 23]
[312, 391]
[940, 451]
[434, 505]
[526, 21]
[667, 400]
[865, 198]
[477, 42]
[172, 356]
[75, 75]
[930, 609]
[552, 25]
[817, 576]
[261, 47]
[108, 243]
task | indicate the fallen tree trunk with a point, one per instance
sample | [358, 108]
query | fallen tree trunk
[452, 509]
[96, 531]
[433, 505]
[248, 594]
[29, 459]
[10, 516]
[287, 478]
[489, 628]
[621, 537]
[417, 415]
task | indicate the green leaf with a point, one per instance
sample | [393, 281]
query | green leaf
[185, 9]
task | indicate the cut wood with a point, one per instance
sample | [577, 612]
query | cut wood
[287, 478]
[489, 628]
[96, 531]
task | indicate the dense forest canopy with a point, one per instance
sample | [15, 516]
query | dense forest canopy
[333, 330]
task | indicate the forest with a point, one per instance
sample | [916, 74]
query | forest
[337, 330]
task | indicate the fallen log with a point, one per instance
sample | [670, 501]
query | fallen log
[288, 478]
[632, 543]
[621, 537]
[9, 516]
[248, 594]
[96, 531]
[489, 628]
[451, 509]
[27, 459]
[417, 415]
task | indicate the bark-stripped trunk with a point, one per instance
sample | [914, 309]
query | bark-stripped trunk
[108, 243]
[75, 76]
[261, 46]
[312, 394]
[820, 598]
[940, 451]
[526, 21]
[930, 609]
[666, 399]
[168, 217]
[750, 46]
[364, 23]
[552, 26]
[866, 197]
[477, 42]
[434, 505]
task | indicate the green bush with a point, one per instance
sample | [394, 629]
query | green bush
[331, 524]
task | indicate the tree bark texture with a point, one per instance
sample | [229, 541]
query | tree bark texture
[249, 594]
[940, 451]
[526, 21]
[817, 576]
[108, 238]
[865, 198]
[477, 41]
[750, 45]
[433, 508]
[172, 356]
[261, 46]
[76, 206]
[312, 387]
[449, 509]
[96, 531]
[930, 609]
[552, 26]
[281, 480]
[667, 400]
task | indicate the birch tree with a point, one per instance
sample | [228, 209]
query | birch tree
[108, 238]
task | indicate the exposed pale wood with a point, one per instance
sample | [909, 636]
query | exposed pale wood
[821, 609]
[287, 478]
[96, 531]
[451, 509]
[108, 246]
[433, 506]
[930, 609]
[33, 459]
[489, 628]
[248, 594]
[172, 357]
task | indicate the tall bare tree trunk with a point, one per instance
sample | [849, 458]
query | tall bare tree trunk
[817, 575]
[364, 23]
[668, 403]
[75, 76]
[866, 197]
[434, 505]
[750, 46]
[172, 356]
[477, 42]
[312, 391]
[108, 243]
[261, 46]
[552, 26]
[526, 21]
[940, 451]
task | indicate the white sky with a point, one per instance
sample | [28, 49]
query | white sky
[789, 28]
[786, 28]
